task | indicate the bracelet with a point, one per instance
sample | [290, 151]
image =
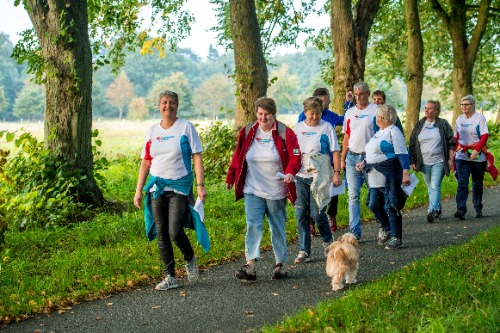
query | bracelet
[336, 171]
[200, 184]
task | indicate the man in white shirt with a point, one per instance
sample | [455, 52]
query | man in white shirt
[359, 127]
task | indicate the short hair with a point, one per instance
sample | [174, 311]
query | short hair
[469, 98]
[380, 93]
[436, 105]
[321, 92]
[267, 104]
[362, 86]
[313, 103]
[388, 113]
[168, 93]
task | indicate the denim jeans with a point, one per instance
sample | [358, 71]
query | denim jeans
[256, 208]
[433, 177]
[170, 212]
[355, 180]
[386, 214]
[305, 208]
[377, 206]
[464, 170]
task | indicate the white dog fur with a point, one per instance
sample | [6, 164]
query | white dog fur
[342, 260]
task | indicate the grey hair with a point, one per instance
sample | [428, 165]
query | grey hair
[168, 93]
[362, 87]
[388, 113]
[469, 98]
[313, 103]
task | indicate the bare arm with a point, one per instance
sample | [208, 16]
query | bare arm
[143, 174]
[200, 176]
[345, 144]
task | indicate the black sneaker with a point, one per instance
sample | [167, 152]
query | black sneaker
[438, 213]
[279, 272]
[394, 243]
[460, 214]
[246, 273]
[430, 217]
[479, 214]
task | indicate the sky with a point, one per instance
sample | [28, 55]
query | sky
[14, 20]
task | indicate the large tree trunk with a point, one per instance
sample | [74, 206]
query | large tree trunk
[464, 51]
[414, 65]
[62, 30]
[350, 40]
[251, 69]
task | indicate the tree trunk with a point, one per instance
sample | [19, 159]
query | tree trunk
[414, 65]
[250, 64]
[464, 51]
[62, 30]
[350, 40]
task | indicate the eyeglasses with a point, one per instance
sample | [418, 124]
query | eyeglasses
[465, 104]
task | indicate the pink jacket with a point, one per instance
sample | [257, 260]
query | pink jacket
[290, 157]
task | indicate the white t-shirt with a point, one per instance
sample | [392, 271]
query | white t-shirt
[170, 150]
[470, 131]
[387, 143]
[263, 162]
[315, 139]
[360, 125]
[431, 144]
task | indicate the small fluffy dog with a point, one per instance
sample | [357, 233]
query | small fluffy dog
[342, 260]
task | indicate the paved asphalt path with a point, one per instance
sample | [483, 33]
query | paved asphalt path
[221, 303]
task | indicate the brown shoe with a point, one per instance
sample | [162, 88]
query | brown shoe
[333, 223]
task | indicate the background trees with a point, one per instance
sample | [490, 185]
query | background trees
[120, 92]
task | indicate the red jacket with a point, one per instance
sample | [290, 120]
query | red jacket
[290, 157]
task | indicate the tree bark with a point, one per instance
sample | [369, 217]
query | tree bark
[62, 30]
[464, 51]
[414, 65]
[350, 40]
[250, 64]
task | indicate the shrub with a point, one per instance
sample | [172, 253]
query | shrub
[494, 130]
[39, 187]
[218, 145]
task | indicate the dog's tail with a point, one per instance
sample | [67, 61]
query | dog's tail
[336, 261]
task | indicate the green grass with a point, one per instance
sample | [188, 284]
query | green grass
[456, 290]
[46, 270]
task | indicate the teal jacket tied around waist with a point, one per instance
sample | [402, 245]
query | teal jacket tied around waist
[182, 185]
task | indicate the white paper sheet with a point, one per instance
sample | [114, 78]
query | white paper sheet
[337, 190]
[413, 183]
[198, 207]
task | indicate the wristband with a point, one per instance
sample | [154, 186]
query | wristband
[200, 184]
[336, 171]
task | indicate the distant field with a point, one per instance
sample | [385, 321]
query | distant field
[118, 137]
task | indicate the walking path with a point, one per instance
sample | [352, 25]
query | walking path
[220, 303]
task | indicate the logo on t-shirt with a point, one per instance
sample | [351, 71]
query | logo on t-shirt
[308, 133]
[260, 140]
[164, 138]
[465, 125]
[361, 116]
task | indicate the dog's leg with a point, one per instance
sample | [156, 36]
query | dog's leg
[337, 281]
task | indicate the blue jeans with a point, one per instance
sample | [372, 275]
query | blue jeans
[256, 208]
[433, 177]
[355, 180]
[306, 207]
[464, 170]
[385, 213]
[170, 212]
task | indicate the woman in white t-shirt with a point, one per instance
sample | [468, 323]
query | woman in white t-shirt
[471, 135]
[431, 150]
[264, 149]
[166, 156]
[317, 140]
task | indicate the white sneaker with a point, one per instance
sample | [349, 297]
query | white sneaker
[193, 273]
[170, 282]
[302, 257]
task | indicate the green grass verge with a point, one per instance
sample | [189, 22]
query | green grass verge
[456, 290]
